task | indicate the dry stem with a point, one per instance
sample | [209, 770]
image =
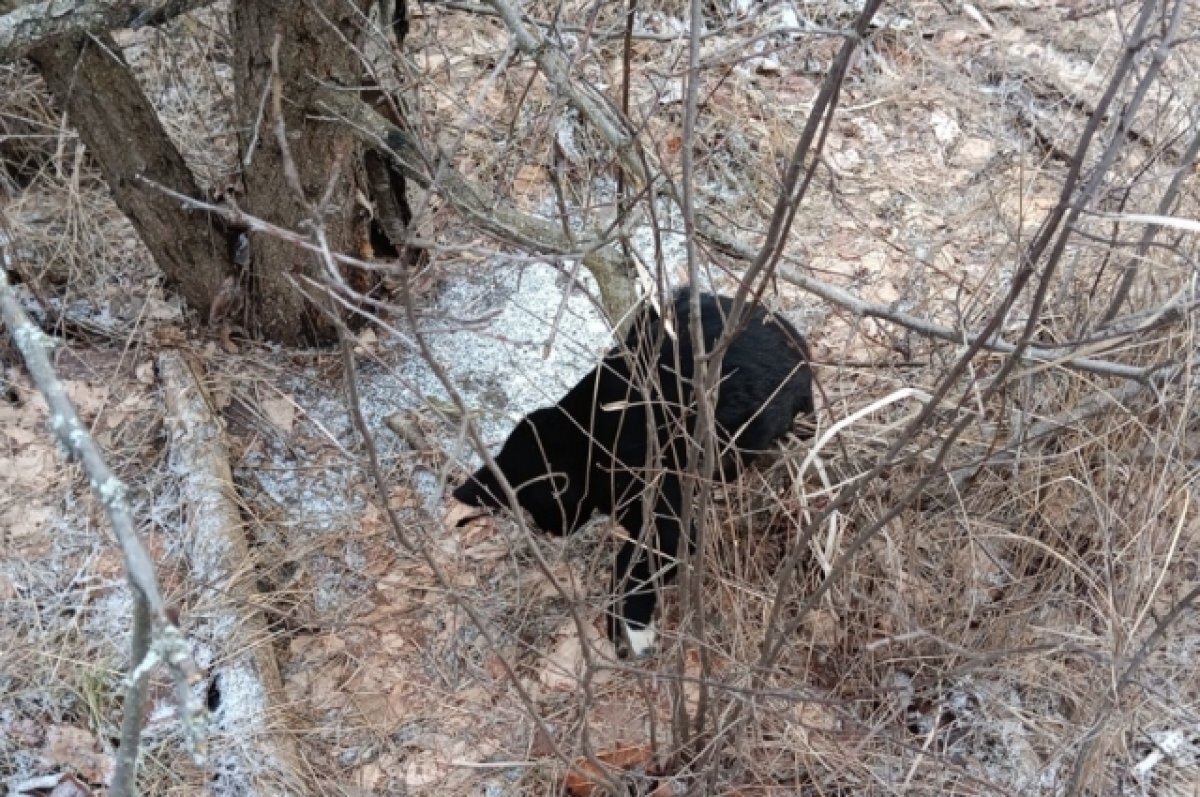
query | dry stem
[156, 639]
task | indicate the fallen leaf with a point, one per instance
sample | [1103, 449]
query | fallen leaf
[585, 776]
[32, 468]
[375, 710]
[68, 746]
[403, 497]
[974, 153]
[368, 776]
[158, 310]
[459, 513]
[565, 664]
[495, 667]
[25, 732]
[529, 181]
[423, 770]
[145, 372]
[281, 412]
[542, 745]
[168, 336]
[27, 524]
[70, 786]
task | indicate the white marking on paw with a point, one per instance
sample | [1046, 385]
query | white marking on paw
[641, 640]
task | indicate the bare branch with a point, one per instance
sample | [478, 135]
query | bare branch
[217, 552]
[1069, 358]
[25, 27]
[1165, 203]
[593, 105]
[156, 637]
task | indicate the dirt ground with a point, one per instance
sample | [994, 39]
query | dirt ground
[975, 646]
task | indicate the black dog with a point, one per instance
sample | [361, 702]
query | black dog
[593, 450]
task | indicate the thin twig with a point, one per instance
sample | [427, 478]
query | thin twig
[1129, 271]
[155, 637]
[1064, 357]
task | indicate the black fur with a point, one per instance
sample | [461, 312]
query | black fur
[591, 451]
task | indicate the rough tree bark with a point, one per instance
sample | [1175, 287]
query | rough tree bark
[316, 48]
[92, 83]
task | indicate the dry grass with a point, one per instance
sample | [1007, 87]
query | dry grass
[973, 646]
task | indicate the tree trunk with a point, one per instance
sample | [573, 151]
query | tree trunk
[101, 97]
[315, 42]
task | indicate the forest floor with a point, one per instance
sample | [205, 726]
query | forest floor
[973, 648]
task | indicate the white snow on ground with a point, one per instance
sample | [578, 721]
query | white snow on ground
[503, 369]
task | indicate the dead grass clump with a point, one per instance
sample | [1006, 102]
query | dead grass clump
[977, 643]
[29, 127]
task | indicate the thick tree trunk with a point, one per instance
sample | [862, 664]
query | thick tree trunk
[92, 83]
[314, 45]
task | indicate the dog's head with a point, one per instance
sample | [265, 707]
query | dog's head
[527, 463]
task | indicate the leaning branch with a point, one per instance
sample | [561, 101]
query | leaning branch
[94, 86]
[156, 639]
[1069, 358]
[24, 27]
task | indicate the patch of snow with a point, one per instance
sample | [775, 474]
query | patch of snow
[658, 22]
[673, 245]
[945, 127]
[1176, 746]
[519, 359]
[240, 718]
[764, 62]
[325, 495]
[670, 92]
